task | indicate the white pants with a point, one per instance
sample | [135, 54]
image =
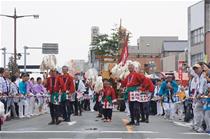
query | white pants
[23, 102]
[31, 107]
[198, 116]
[207, 120]
[159, 108]
[180, 108]
[127, 110]
[170, 110]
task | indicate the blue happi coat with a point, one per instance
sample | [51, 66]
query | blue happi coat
[168, 96]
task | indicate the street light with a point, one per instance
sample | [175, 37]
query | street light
[4, 53]
[15, 16]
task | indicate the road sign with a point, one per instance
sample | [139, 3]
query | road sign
[50, 48]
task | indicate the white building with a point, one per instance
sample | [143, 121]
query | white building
[199, 32]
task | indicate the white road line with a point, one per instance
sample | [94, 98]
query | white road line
[159, 138]
[82, 132]
[193, 133]
[59, 138]
[182, 124]
[108, 138]
[145, 132]
[72, 123]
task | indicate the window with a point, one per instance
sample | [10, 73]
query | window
[197, 58]
[197, 36]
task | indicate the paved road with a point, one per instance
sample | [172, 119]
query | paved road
[89, 127]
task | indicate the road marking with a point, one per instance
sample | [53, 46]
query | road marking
[193, 133]
[159, 138]
[82, 132]
[182, 124]
[72, 123]
[108, 138]
[61, 138]
[129, 128]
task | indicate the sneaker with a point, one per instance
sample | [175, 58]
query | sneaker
[28, 116]
[137, 124]
[146, 121]
[21, 117]
[200, 130]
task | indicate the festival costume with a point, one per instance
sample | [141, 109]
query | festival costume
[169, 97]
[80, 89]
[108, 98]
[158, 101]
[207, 113]
[147, 88]
[54, 86]
[40, 93]
[198, 105]
[30, 98]
[66, 105]
[23, 103]
[132, 83]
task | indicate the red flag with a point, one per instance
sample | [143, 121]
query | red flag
[124, 54]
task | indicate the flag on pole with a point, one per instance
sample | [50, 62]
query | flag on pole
[124, 53]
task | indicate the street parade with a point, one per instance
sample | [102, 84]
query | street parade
[63, 95]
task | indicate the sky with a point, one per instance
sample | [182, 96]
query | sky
[69, 23]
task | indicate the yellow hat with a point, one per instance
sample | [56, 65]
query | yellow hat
[197, 66]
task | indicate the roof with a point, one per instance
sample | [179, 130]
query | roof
[175, 46]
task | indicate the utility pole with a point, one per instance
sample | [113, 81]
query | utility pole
[15, 16]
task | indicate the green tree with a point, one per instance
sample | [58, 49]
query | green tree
[106, 45]
[13, 68]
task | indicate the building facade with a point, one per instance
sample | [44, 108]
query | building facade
[199, 32]
[172, 53]
[149, 51]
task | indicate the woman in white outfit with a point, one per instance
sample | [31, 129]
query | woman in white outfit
[157, 97]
